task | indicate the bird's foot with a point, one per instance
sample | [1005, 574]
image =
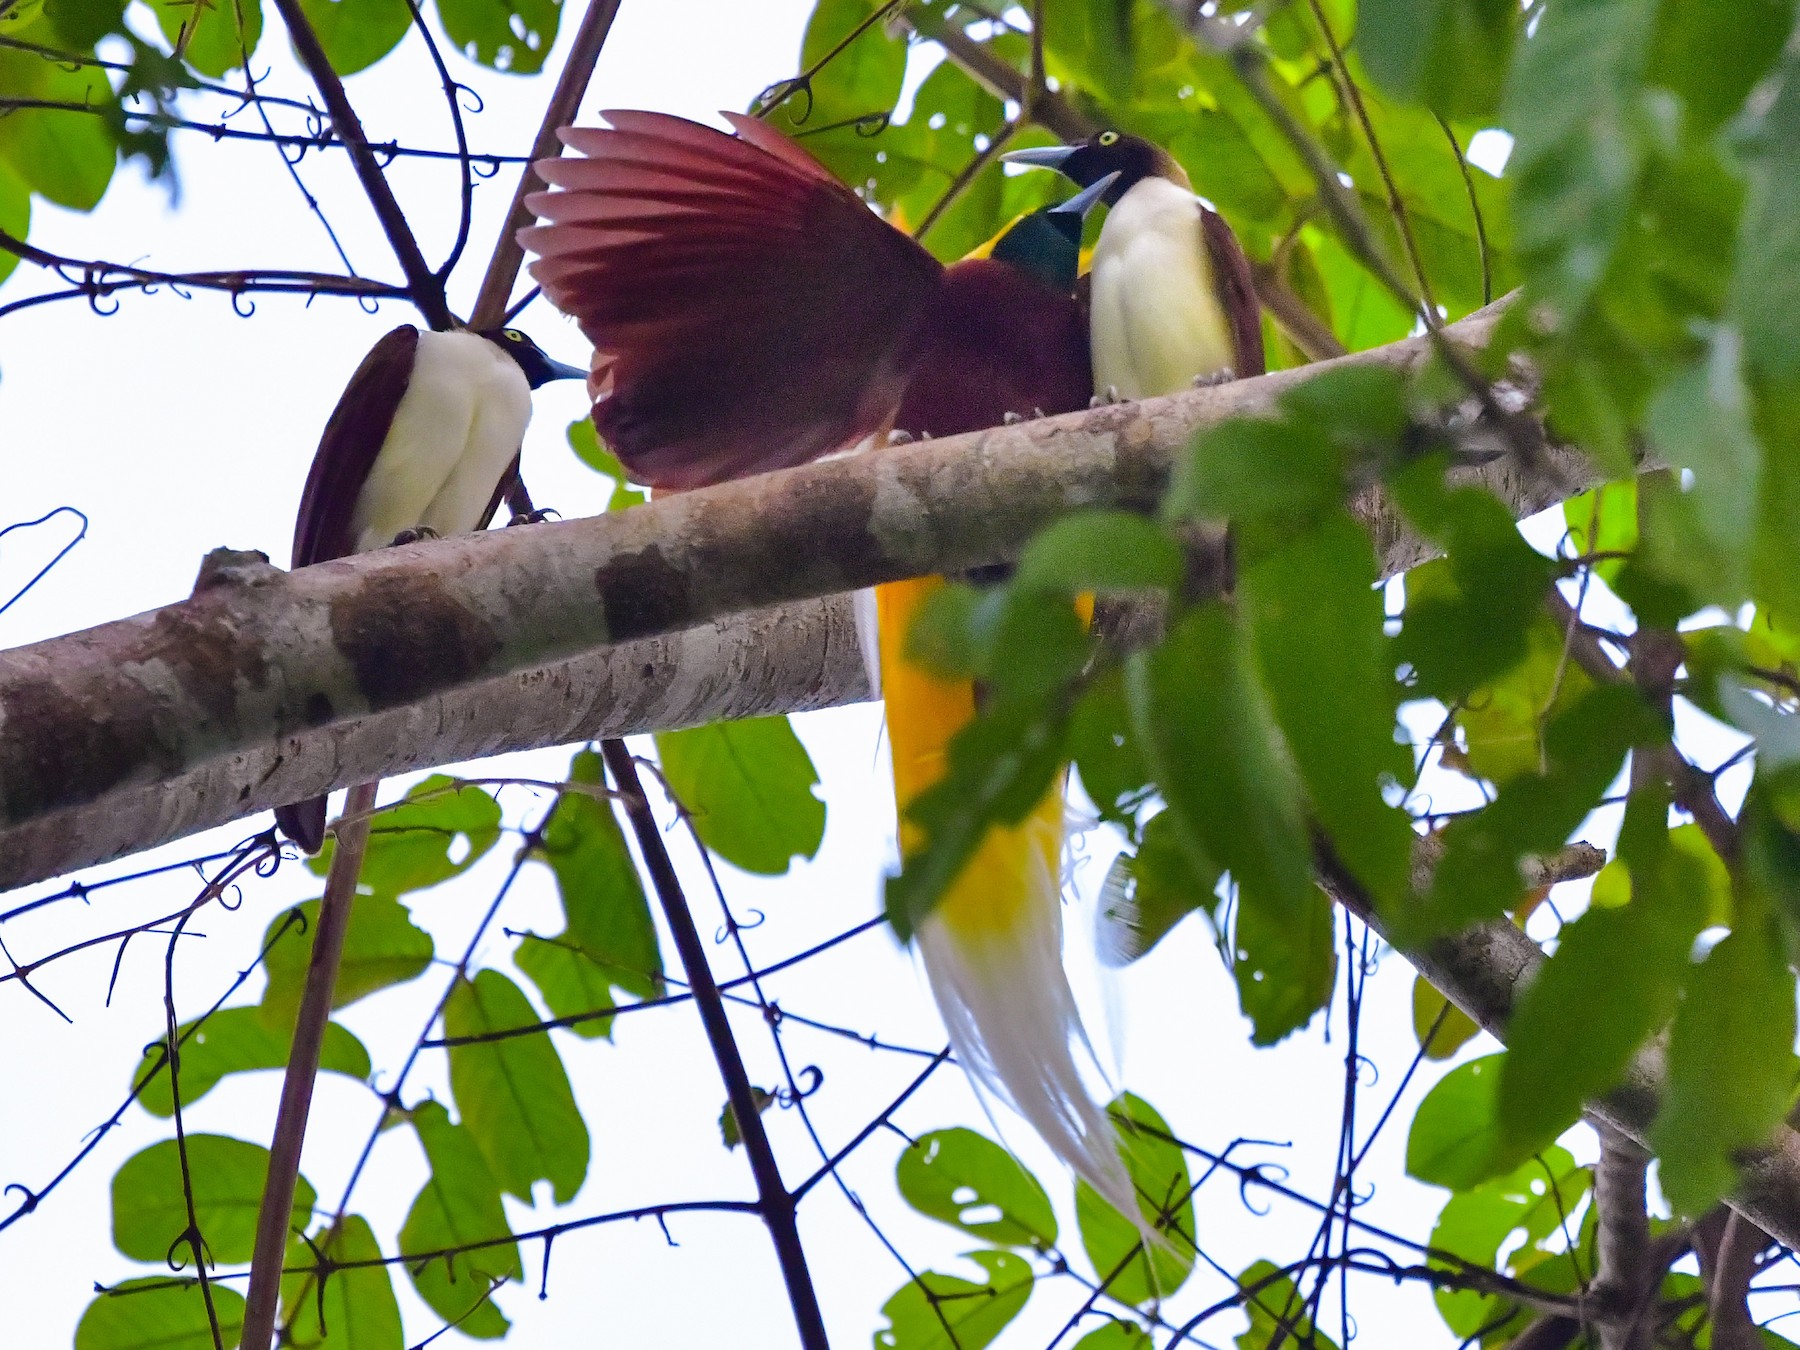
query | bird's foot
[415, 534]
[900, 438]
[536, 516]
[1011, 418]
[1106, 396]
[1224, 375]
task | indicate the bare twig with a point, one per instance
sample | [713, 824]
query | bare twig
[423, 286]
[1623, 1278]
[775, 1203]
[275, 1216]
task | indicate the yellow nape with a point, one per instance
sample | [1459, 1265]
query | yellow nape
[1014, 863]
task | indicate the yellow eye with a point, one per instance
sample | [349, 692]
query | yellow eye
[1109, 138]
[515, 335]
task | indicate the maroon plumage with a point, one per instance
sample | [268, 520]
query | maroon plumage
[1237, 287]
[749, 312]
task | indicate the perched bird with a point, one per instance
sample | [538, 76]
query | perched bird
[1172, 302]
[749, 312]
[423, 441]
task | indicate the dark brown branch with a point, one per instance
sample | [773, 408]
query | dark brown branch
[565, 101]
[1623, 1280]
[774, 1202]
[275, 1216]
[1728, 1275]
[424, 288]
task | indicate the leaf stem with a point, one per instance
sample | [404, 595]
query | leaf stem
[774, 1202]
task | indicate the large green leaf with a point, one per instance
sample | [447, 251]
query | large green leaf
[382, 947]
[1504, 721]
[1765, 290]
[1454, 1138]
[1441, 1027]
[438, 831]
[947, 1312]
[1612, 982]
[356, 1310]
[357, 33]
[1731, 1067]
[234, 1040]
[458, 1205]
[15, 215]
[1317, 621]
[1712, 54]
[1115, 1244]
[1148, 892]
[1285, 965]
[1450, 55]
[970, 1182]
[748, 786]
[1203, 723]
[226, 1176]
[510, 35]
[862, 78]
[221, 34]
[159, 1312]
[513, 1094]
[1277, 1312]
[65, 156]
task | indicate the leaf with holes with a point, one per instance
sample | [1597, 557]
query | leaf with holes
[235, 1040]
[437, 831]
[1159, 1174]
[226, 1175]
[748, 787]
[513, 1093]
[947, 1312]
[967, 1180]
[509, 35]
[1147, 893]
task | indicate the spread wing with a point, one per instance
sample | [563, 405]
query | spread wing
[353, 436]
[1237, 291]
[747, 310]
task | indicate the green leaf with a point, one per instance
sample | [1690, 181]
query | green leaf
[1538, 1199]
[1712, 55]
[1441, 1027]
[1478, 876]
[1112, 772]
[1765, 288]
[67, 157]
[1450, 55]
[1159, 1174]
[1284, 964]
[1266, 478]
[1149, 892]
[1365, 313]
[1090, 44]
[1099, 551]
[509, 35]
[235, 1040]
[459, 1205]
[223, 35]
[608, 937]
[585, 442]
[1604, 520]
[226, 1175]
[729, 1132]
[357, 33]
[159, 1312]
[1119, 1335]
[1316, 617]
[1454, 1140]
[513, 1094]
[382, 947]
[946, 1312]
[15, 214]
[863, 78]
[1615, 975]
[412, 843]
[1277, 1312]
[358, 1309]
[571, 983]
[1503, 722]
[748, 787]
[1202, 723]
[1731, 1067]
[971, 1183]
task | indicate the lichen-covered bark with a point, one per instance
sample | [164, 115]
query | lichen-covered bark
[266, 686]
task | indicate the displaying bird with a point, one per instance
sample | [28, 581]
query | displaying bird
[1172, 301]
[423, 441]
[749, 312]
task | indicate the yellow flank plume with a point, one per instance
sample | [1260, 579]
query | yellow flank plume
[992, 949]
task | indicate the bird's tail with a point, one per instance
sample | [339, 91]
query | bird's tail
[992, 948]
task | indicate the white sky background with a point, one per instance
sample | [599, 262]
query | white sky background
[177, 427]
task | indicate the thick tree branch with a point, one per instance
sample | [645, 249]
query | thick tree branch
[267, 687]
[1623, 1280]
[1482, 970]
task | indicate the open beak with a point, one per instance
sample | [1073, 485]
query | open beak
[1083, 202]
[1041, 157]
[562, 370]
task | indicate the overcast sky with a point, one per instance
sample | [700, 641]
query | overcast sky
[177, 427]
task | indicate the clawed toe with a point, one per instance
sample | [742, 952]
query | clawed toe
[415, 534]
[1222, 376]
[534, 517]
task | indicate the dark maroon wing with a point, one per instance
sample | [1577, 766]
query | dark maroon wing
[745, 307]
[353, 436]
[995, 341]
[1237, 291]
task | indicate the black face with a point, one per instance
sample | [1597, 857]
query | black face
[1132, 157]
[539, 369]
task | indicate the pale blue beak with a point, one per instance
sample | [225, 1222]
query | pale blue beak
[1042, 156]
[1083, 202]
